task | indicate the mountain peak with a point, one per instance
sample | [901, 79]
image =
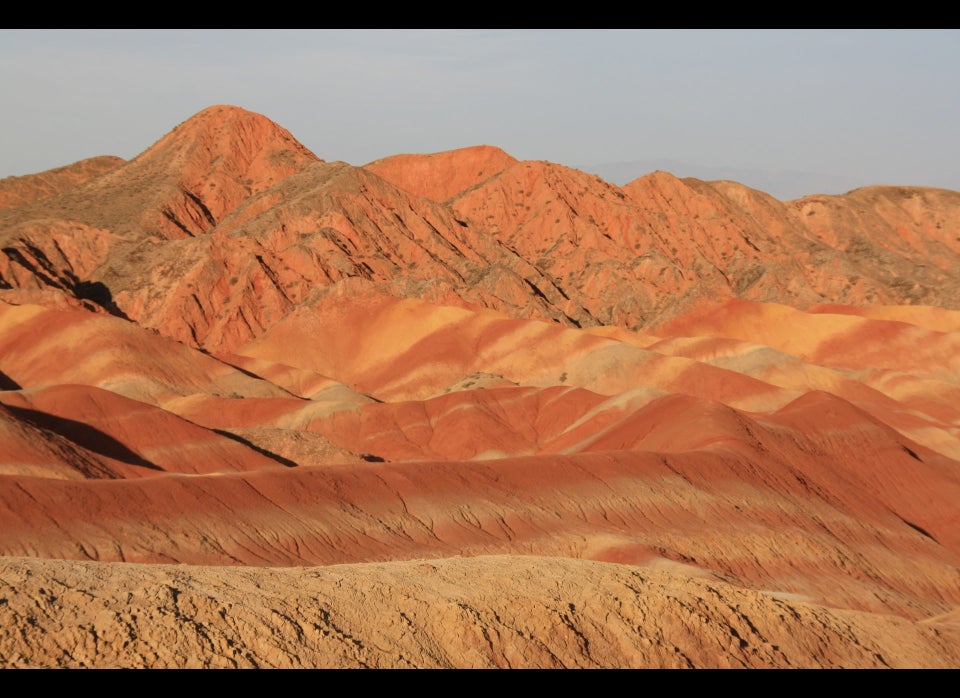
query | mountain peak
[224, 131]
[204, 168]
[440, 176]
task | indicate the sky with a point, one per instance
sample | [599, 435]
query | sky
[787, 111]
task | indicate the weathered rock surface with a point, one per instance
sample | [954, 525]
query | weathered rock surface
[457, 410]
[484, 612]
[17, 191]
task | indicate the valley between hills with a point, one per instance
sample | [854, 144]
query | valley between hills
[458, 410]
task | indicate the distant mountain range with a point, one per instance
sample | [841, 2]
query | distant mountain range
[784, 185]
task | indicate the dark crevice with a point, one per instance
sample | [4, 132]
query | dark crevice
[44, 261]
[536, 290]
[15, 255]
[64, 279]
[99, 293]
[251, 374]
[912, 453]
[7, 383]
[333, 236]
[918, 529]
[196, 301]
[195, 338]
[170, 216]
[559, 289]
[443, 240]
[262, 451]
[274, 279]
[206, 212]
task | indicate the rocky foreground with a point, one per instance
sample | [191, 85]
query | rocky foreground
[485, 612]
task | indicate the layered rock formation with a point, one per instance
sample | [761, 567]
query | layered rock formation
[455, 409]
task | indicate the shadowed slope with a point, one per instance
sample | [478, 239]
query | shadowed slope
[817, 500]
[131, 432]
[28, 449]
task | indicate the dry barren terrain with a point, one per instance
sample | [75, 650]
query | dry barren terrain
[258, 409]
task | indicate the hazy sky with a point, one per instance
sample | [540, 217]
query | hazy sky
[864, 106]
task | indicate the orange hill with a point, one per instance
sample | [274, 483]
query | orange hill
[258, 409]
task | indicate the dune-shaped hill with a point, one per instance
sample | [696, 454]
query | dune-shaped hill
[134, 433]
[453, 409]
[41, 346]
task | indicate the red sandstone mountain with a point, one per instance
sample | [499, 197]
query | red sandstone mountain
[461, 410]
[17, 191]
[439, 176]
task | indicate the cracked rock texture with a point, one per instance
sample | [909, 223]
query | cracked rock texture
[485, 612]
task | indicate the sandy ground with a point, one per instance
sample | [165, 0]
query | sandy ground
[485, 612]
